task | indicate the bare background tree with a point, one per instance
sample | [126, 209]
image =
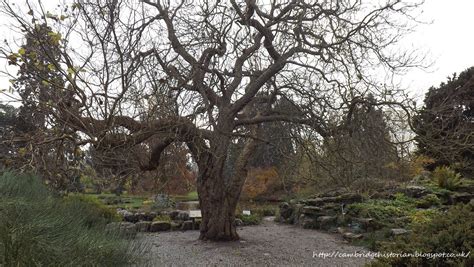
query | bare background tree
[138, 76]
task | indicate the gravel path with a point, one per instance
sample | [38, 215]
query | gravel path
[268, 244]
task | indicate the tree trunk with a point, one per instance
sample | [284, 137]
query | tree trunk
[218, 211]
[217, 203]
[219, 195]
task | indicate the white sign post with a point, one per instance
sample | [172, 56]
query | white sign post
[193, 214]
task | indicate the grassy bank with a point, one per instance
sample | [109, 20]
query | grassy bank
[38, 228]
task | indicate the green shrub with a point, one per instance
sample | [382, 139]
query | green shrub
[97, 212]
[428, 201]
[423, 216]
[383, 210]
[253, 219]
[451, 232]
[446, 178]
[266, 211]
[39, 229]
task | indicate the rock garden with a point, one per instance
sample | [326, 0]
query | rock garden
[391, 218]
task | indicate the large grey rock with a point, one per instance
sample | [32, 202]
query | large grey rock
[123, 212]
[285, 210]
[398, 231]
[187, 225]
[183, 216]
[356, 228]
[461, 197]
[153, 214]
[299, 221]
[333, 209]
[175, 225]
[367, 224]
[326, 222]
[307, 222]
[160, 226]
[145, 216]
[296, 213]
[173, 214]
[351, 236]
[342, 230]
[238, 222]
[319, 201]
[415, 191]
[129, 216]
[179, 215]
[143, 226]
[312, 211]
[347, 198]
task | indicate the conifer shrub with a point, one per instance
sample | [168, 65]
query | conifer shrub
[451, 232]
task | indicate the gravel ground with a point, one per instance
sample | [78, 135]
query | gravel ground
[268, 244]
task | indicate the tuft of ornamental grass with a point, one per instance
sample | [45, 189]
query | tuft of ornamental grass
[38, 228]
[447, 178]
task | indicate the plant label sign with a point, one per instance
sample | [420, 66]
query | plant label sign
[195, 214]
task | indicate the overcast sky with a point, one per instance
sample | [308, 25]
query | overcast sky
[448, 40]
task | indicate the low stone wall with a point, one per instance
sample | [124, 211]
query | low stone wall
[324, 212]
[147, 222]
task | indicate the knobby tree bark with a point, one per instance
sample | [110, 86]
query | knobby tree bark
[219, 195]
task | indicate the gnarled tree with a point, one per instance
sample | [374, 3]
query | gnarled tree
[146, 74]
